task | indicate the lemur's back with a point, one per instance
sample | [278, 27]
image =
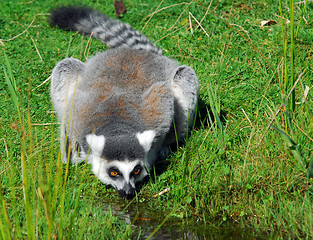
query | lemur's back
[122, 91]
[121, 108]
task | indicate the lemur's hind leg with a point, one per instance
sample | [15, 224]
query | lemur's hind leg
[63, 84]
[185, 86]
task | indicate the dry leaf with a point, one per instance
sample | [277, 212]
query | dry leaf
[305, 94]
[119, 8]
[268, 23]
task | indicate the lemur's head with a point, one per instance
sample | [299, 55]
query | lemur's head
[120, 161]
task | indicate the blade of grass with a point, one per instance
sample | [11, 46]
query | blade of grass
[292, 103]
[310, 172]
[284, 37]
[14, 206]
[11, 83]
[293, 146]
[6, 226]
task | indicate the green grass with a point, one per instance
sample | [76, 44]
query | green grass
[245, 163]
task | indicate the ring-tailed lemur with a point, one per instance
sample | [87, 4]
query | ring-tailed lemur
[121, 108]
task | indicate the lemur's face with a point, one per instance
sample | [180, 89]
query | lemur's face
[123, 176]
[121, 173]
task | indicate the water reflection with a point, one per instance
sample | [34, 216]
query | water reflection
[145, 220]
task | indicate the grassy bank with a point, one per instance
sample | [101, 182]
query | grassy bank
[247, 160]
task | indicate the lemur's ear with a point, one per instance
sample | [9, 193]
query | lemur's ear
[96, 143]
[146, 138]
[64, 77]
[66, 71]
[185, 85]
[185, 76]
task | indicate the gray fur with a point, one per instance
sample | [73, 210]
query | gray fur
[121, 103]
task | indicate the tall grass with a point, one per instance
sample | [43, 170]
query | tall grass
[289, 66]
[43, 204]
[288, 75]
[9, 78]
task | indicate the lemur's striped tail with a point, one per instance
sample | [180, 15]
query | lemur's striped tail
[112, 32]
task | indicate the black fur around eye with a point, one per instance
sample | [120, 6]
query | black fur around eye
[137, 170]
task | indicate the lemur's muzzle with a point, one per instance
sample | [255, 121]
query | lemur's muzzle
[127, 192]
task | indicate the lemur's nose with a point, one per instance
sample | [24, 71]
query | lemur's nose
[127, 192]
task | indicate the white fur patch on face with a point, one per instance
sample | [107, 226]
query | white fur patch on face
[96, 143]
[146, 138]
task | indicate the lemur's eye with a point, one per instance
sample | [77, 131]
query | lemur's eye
[113, 173]
[137, 170]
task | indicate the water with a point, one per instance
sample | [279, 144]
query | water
[145, 220]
